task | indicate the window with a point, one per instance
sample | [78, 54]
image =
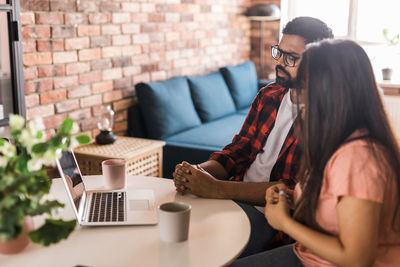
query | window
[12, 96]
[374, 16]
[359, 20]
[328, 11]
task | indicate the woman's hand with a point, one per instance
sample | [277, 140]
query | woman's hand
[290, 198]
[277, 207]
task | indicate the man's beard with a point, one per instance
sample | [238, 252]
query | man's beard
[287, 81]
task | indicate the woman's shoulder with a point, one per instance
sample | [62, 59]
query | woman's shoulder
[352, 155]
[359, 144]
[358, 168]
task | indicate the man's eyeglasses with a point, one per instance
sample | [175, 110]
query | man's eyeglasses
[288, 59]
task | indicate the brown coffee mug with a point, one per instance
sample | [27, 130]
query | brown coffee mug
[114, 173]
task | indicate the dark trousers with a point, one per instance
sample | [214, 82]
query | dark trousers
[278, 257]
[261, 232]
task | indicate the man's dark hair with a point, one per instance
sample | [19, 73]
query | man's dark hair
[311, 29]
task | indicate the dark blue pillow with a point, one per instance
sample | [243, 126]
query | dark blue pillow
[211, 96]
[167, 107]
[242, 82]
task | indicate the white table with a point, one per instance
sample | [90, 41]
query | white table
[219, 231]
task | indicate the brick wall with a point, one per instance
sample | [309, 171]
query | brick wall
[271, 37]
[80, 55]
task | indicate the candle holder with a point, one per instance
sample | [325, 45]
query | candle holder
[105, 124]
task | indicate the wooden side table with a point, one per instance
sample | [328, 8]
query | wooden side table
[143, 156]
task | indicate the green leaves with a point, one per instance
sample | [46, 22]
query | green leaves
[45, 207]
[66, 126]
[83, 139]
[393, 39]
[11, 224]
[24, 181]
[40, 148]
[56, 141]
[22, 163]
[15, 134]
[39, 135]
[52, 231]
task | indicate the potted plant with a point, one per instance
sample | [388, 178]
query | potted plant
[24, 183]
[391, 41]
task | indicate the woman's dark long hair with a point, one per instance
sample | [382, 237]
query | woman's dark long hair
[336, 82]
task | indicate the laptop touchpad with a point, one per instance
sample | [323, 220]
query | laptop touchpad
[139, 204]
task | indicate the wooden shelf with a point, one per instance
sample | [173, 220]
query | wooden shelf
[390, 87]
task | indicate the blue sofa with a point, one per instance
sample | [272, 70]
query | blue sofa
[195, 115]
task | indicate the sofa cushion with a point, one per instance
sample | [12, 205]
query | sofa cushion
[242, 82]
[167, 107]
[244, 111]
[211, 96]
[212, 135]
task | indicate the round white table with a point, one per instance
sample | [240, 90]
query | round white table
[219, 231]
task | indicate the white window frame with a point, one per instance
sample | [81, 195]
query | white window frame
[288, 11]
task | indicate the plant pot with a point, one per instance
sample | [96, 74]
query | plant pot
[386, 74]
[22, 241]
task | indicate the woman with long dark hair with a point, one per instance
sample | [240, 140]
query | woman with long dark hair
[346, 205]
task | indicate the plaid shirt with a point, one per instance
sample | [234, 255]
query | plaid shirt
[237, 157]
[240, 154]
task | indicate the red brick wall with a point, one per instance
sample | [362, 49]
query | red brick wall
[271, 37]
[82, 54]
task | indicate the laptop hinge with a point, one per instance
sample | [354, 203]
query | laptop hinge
[83, 207]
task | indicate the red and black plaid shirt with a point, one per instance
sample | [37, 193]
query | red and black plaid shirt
[240, 154]
[237, 157]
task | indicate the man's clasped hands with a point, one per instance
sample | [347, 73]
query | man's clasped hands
[193, 179]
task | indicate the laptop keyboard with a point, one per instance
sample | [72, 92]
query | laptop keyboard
[107, 207]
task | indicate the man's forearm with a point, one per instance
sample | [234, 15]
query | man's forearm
[250, 193]
[214, 168]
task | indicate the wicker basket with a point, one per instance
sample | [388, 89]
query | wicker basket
[143, 156]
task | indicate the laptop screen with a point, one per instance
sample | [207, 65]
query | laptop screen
[70, 172]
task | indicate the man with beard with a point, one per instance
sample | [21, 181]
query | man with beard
[265, 151]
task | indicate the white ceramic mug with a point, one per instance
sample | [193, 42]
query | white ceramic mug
[114, 173]
[174, 218]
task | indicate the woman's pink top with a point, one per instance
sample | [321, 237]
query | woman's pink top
[353, 171]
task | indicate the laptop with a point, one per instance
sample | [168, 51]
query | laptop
[105, 208]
